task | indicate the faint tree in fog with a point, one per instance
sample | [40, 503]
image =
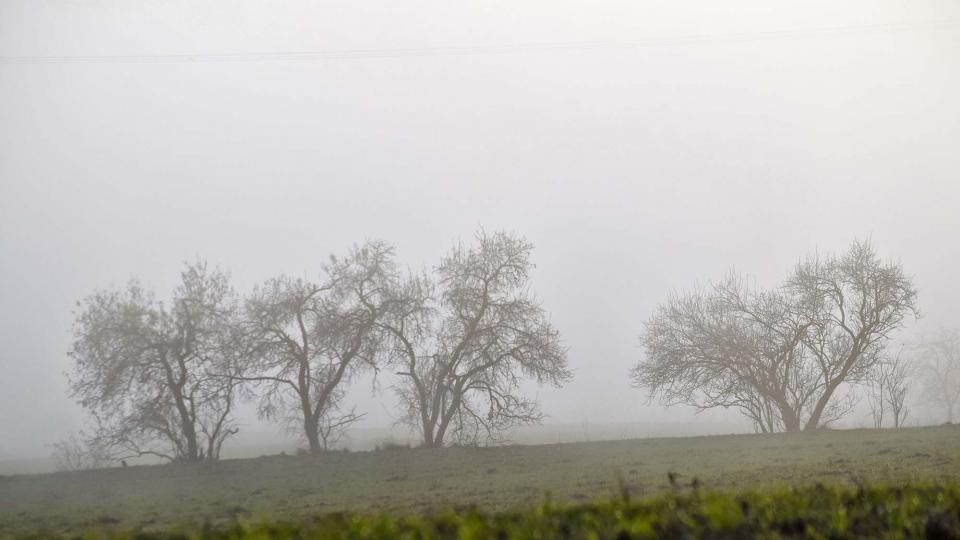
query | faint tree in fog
[887, 391]
[76, 452]
[940, 365]
[464, 343]
[782, 357]
[876, 400]
[307, 339]
[158, 380]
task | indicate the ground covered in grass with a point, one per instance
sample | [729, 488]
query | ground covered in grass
[916, 511]
[417, 482]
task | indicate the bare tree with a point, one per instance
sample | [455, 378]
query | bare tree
[889, 385]
[159, 381]
[306, 339]
[464, 344]
[877, 400]
[940, 361]
[898, 376]
[856, 303]
[781, 357]
[75, 453]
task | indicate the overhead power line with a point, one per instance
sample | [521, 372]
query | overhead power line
[349, 54]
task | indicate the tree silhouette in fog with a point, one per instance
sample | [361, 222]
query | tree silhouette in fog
[159, 380]
[465, 339]
[783, 357]
[306, 340]
[940, 369]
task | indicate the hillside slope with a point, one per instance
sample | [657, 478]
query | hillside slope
[286, 487]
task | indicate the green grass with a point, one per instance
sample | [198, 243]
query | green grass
[767, 471]
[916, 511]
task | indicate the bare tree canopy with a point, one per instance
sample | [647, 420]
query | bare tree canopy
[464, 342]
[158, 380]
[783, 357]
[306, 339]
[940, 368]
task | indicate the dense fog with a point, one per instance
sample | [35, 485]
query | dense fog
[642, 148]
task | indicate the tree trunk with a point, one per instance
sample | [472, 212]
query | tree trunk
[429, 439]
[187, 427]
[311, 428]
[790, 418]
[312, 432]
[814, 421]
[791, 423]
[193, 449]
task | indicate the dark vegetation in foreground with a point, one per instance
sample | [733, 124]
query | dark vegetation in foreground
[913, 511]
[501, 483]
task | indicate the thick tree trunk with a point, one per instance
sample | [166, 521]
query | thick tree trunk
[814, 421]
[789, 417]
[312, 432]
[429, 439]
[187, 427]
[311, 427]
[791, 424]
[193, 449]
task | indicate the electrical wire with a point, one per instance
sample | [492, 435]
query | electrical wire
[351, 54]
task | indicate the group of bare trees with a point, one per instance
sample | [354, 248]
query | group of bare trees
[788, 357]
[800, 356]
[887, 391]
[930, 365]
[940, 372]
[163, 380]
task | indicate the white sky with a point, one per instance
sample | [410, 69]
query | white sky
[635, 170]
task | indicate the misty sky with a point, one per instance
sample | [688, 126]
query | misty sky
[731, 134]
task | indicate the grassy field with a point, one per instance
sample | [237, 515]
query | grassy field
[408, 481]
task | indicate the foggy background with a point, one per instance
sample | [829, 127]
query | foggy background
[643, 147]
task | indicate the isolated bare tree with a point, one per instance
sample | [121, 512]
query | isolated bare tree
[307, 339]
[76, 453]
[940, 369]
[781, 357]
[159, 381]
[899, 375]
[464, 344]
[877, 401]
[888, 387]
